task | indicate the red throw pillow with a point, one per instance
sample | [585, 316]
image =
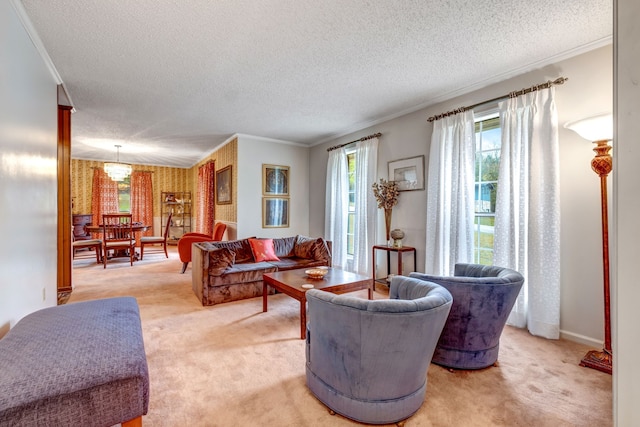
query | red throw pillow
[263, 250]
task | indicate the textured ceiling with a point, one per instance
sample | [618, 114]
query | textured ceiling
[172, 79]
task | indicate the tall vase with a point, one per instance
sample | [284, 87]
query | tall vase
[387, 222]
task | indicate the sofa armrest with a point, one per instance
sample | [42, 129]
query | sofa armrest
[312, 248]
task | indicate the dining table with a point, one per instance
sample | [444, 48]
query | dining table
[98, 228]
[136, 227]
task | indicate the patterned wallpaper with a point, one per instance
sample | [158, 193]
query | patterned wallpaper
[164, 179]
[225, 156]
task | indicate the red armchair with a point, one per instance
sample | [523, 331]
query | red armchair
[187, 239]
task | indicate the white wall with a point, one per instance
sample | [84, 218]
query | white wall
[626, 256]
[252, 153]
[28, 184]
[588, 91]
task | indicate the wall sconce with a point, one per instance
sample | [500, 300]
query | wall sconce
[599, 130]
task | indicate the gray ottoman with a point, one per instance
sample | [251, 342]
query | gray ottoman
[79, 364]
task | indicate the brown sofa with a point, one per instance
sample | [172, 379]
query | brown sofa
[227, 271]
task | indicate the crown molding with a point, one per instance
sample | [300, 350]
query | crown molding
[239, 136]
[216, 148]
[37, 43]
[473, 87]
[272, 140]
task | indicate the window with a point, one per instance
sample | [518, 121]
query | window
[351, 214]
[124, 195]
[487, 164]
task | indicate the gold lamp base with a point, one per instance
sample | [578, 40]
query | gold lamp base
[599, 129]
[600, 360]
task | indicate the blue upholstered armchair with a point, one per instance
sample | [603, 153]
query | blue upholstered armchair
[483, 297]
[368, 359]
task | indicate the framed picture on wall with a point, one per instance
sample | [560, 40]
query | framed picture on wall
[275, 180]
[275, 212]
[408, 173]
[223, 186]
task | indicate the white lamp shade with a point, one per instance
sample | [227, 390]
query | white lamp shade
[595, 128]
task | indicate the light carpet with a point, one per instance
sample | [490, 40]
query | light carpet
[232, 364]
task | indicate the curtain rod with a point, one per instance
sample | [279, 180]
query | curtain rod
[98, 167]
[546, 85]
[364, 138]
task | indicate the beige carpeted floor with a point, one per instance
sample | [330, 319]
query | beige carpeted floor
[232, 365]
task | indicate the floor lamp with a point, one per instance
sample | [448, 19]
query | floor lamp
[599, 130]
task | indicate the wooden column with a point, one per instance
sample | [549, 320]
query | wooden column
[64, 199]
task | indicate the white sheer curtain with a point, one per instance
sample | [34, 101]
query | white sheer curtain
[527, 228]
[365, 204]
[336, 205]
[450, 194]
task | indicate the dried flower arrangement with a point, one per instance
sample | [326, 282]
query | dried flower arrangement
[386, 193]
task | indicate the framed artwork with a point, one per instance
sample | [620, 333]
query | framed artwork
[408, 173]
[275, 212]
[275, 180]
[223, 186]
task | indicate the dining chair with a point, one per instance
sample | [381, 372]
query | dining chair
[117, 236]
[91, 245]
[88, 244]
[157, 240]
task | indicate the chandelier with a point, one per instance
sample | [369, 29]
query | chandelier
[117, 171]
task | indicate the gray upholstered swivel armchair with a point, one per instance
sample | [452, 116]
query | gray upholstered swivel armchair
[368, 360]
[483, 297]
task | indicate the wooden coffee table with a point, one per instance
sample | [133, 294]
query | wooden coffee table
[290, 283]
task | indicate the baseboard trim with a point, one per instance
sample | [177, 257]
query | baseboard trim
[571, 336]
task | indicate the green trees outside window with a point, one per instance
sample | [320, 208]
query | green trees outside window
[487, 165]
[124, 195]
